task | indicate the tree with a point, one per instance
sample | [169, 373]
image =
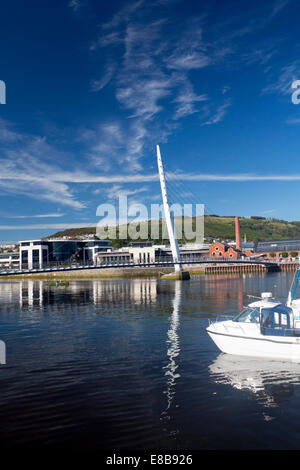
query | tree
[272, 254]
[294, 254]
[284, 254]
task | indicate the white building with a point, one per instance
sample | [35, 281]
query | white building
[9, 260]
[41, 253]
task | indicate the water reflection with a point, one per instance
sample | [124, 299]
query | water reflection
[269, 382]
[220, 291]
[219, 294]
[31, 293]
[171, 369]
[37, 294]
[128, 364]
[173, 347]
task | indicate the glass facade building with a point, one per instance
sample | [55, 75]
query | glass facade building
[277, 245]
[42, 253]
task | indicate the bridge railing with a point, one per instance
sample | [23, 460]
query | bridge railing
[161, 261]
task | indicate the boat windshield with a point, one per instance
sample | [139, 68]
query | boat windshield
[278, 317]
[248, 315]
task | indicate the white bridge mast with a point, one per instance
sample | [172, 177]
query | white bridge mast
[169, 220]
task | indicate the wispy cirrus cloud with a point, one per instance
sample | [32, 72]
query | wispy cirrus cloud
[25, 171]
[116, 191]
[295, 121]
[26, 158]
[57, 176]
[155, 66]
[97, 85]
[281, 81]
[185, 101]
[151, 75]
[76, 5]
[154, 63]
[278, 6]
[48, 226]
[219, 114]
[35, 216]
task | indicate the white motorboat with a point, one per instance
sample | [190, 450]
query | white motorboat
[265, 328]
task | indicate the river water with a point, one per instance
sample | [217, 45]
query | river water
[127, 364]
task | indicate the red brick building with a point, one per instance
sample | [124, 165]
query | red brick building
[221, 250]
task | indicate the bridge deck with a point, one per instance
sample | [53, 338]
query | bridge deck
[134, 265]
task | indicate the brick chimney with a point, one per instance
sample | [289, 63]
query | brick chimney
[238, 243]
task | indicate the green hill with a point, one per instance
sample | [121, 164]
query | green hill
[254, 228]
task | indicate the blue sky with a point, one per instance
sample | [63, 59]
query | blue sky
[93, 86]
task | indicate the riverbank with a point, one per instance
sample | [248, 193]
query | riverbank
[152, 272]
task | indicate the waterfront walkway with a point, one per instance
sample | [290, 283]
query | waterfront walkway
[220, 265]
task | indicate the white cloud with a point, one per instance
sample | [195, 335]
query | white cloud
[116, 191]
[35, 216]
[283, 81]
[123, 15]
[278, 6]
[75, 5]
[148, 79]
[185, 102]
[219, 114]
[7, 135]
[47, 226]
[97, 85]
[152, 73]
[78, 177]
[237, 177]
[293, 121]
[29, 159]
[269, 212]
[114, 145]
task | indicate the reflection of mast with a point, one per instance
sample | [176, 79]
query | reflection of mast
[174, 348]
[241, 293]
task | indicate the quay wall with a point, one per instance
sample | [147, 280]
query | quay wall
[289, 266]
[154, 271]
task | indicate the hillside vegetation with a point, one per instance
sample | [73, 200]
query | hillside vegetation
[254, 228]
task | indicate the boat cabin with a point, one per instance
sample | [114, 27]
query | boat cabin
[277, 321]
[274, 318]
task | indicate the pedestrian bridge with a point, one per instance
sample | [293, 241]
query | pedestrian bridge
[156, 264]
